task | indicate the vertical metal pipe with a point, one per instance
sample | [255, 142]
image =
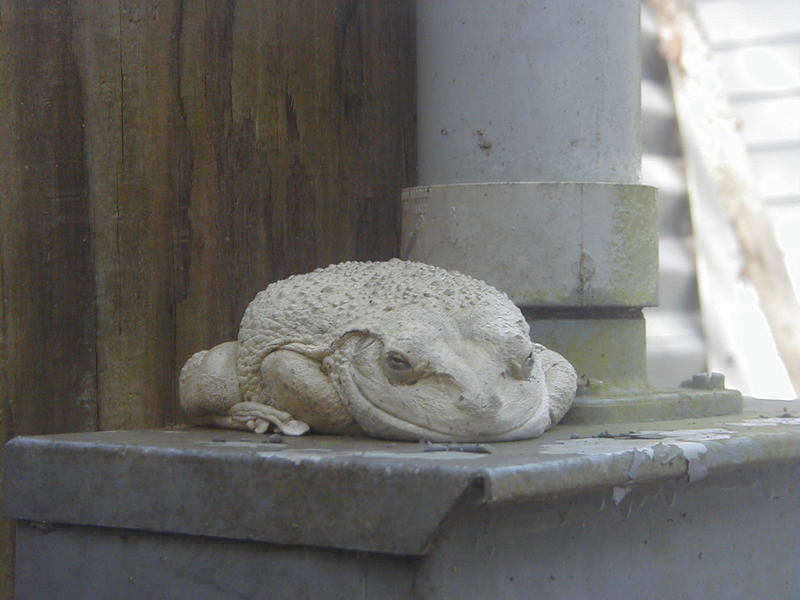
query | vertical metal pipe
[529, 163]
[528, 90]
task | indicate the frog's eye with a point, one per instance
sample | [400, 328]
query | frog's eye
[397, 362]
[524, 368]
[399, 370]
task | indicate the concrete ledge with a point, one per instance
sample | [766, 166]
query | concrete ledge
[70, 562]
[359, 494]
[318, 491]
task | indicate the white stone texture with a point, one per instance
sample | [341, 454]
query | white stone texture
[397, 349]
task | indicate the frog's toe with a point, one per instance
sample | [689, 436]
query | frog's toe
[261, 418]
[258, 425]
[295, 427]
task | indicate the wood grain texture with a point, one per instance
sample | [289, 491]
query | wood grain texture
[48, 315]
[48, 282]
[163, 160]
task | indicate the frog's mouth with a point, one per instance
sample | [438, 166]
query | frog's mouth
[439, 390]
[429, 409]
[378, 421]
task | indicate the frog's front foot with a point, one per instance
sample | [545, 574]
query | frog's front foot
[260, 418]
[210, 395]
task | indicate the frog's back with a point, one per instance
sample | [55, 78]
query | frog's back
[311, 308]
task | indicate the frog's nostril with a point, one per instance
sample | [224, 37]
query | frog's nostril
[480, 405]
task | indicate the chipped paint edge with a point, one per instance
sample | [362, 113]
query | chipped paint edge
[689, 455]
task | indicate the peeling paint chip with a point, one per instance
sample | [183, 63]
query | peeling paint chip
[619, 493]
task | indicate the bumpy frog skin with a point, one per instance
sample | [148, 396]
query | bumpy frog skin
[397, 350]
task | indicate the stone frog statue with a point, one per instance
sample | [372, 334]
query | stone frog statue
[397, 350]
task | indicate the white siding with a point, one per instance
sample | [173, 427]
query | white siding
[675, 343]
[756, 45]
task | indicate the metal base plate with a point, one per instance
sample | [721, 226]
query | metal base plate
[652, 405]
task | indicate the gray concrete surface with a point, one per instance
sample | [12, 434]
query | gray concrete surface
[701, 508]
